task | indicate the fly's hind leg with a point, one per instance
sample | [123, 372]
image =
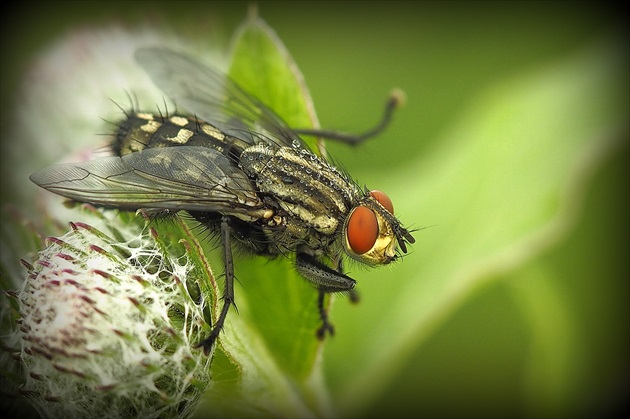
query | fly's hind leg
[395, 100]
[327, 280]
[228, 293]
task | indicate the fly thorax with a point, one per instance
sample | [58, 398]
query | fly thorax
[306, 187]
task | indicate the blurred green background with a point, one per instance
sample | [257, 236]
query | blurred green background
[510, 157]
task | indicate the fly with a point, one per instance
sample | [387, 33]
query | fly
[237, 168]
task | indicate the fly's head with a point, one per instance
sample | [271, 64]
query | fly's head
[372, 233]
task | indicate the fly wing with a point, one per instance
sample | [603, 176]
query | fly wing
[213, 97]
[174, 178]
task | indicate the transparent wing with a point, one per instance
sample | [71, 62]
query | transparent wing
[213, 97]
[175, 178]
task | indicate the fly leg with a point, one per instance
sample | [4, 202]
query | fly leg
[353, 294]
[228, 292]
[395, 100]
[323, 316]
[327, 280]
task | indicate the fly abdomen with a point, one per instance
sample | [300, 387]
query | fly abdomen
[145, 130]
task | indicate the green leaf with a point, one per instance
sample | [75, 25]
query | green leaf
[264, 68]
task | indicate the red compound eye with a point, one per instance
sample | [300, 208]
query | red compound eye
[362, 230]
[384, 200]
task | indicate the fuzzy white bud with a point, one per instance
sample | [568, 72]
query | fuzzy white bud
[108, 328]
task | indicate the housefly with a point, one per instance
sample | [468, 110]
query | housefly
[238, 169]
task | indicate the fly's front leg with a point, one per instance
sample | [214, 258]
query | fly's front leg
[353, 294]
[323, 316]
[327, 280]
[228, 292]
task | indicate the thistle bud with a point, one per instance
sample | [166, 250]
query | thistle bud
[108, 327]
